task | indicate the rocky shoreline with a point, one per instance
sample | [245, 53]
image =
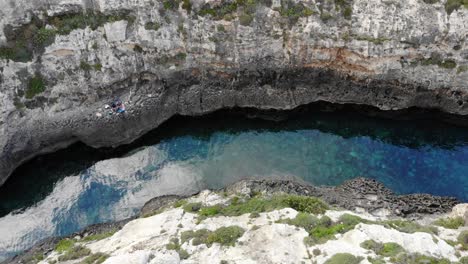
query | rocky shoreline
[360, 195]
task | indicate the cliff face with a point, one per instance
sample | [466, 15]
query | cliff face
[62, 60]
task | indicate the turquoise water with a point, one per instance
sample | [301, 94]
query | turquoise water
[64, 192]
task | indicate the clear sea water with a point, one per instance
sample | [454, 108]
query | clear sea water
[61, 193]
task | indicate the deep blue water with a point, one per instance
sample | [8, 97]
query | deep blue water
[64, 192]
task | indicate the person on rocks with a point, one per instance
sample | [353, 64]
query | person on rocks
[118, 106]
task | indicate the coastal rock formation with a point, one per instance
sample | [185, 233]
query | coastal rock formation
[279, 224]
[269, 221]
[62, 60]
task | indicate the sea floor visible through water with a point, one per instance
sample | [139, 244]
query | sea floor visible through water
[60, 193]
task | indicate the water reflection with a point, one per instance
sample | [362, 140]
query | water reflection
[58, 198]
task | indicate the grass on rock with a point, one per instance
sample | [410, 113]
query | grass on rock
[100, 236]
[260, 204]
[96, 258]
[342, 258]
[449, 222]
[463, 239]
[226, 236]
[64, 245]
[385, 249]
[75, 252]
[36, 86]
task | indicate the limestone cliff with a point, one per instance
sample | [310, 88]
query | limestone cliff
[62, 60]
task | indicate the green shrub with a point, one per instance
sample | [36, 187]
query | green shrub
[85, 66]
[407, 258]
[463, 260]
[97, 67]
[450, 223]
[448, 64]
[187, 5]
[260, 204]
[175, 245]
[36, 86]
[463, 68]
[64, 245]
[226, 236]
[305, 204]
[344, 258]
[326, 229]
[100, 236]
[96, 258]
[210, 211]
[183, 254]
[245, 20]
[170, 4]
[452, 5]
[180, 203]
[377, 260]
[345, 6]
[180, 56]
[303, 220]
[220, 28]
[75, 252]
[152, 26]
[409, 226]
[192, 207]
[44, 37]
[463, 239]
[198, 237]
[390, 250]
[372, 245]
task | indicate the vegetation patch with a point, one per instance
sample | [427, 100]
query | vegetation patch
[377, 260]
[192, 207]
[452, 5]
[463, 68]
[415, 258]
[463, 260]
[385, 249]
[23, 42]
[326, 229]
[64, 245]
[260, 204]
[293, 11]
[100, 236]
[152, 26]
[96, 258]
[180, 203]
[345, 7]
[450, 222]
[75, 252]
[175, 245]
[88, 67]
[437, 60]
[226, 236]
[342, 258]
[36, 85]
[463, 239]
[409, 226]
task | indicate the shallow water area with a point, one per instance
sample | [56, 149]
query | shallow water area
[64, 192]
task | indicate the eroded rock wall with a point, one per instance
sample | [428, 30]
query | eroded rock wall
[62, 60]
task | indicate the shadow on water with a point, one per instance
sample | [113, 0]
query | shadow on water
[35, 180]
